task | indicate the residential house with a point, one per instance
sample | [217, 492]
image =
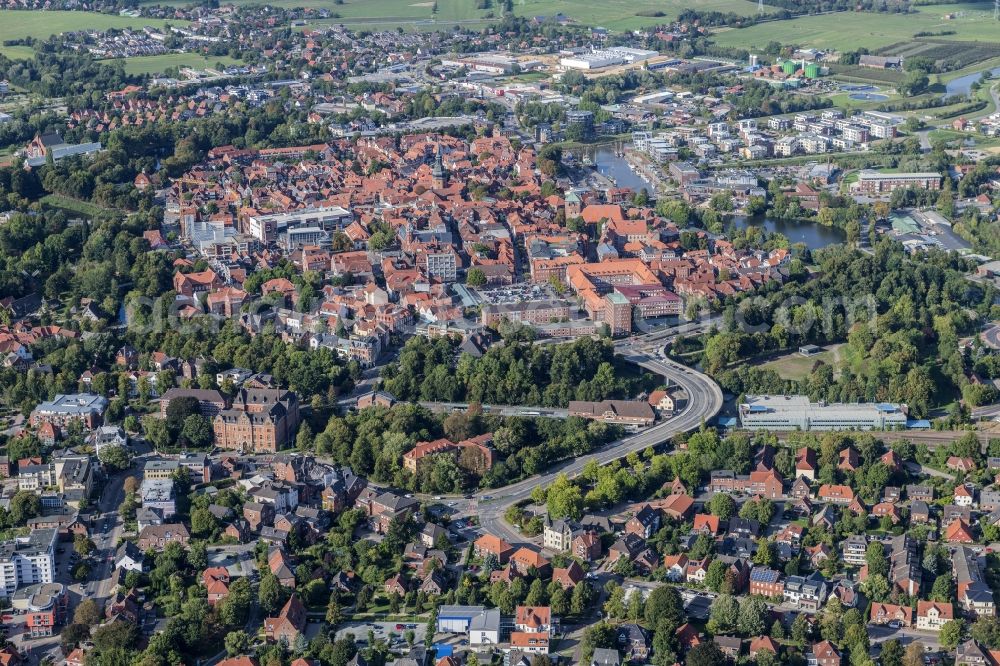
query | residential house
[891, 613]
[289, 623]
[932, 615]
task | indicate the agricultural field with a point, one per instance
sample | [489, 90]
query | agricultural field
[624, 14]
[848, 31]
[417, 14]
[951, 55]
[158, 64]
[16, 24]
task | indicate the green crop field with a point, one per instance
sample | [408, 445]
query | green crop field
[159, 63]
[623, 14]
[848, 31]
[17, 24]
[417, 14]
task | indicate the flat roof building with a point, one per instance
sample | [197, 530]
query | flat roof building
[457, 619]
[618, 55]
[87, 408]
[874, 182]
[27, 560]
[795, 412]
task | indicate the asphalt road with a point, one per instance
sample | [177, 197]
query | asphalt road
[500, 410]
[704, 400]
[991, 335]
[109, 529]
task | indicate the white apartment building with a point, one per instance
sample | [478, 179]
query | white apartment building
[27, 560]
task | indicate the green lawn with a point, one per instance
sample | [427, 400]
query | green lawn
[73, 206]
[981, 141]
[16, 24]
[159, 63]
[849, 30]
[795, 366]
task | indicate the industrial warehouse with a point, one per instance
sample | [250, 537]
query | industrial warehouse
[795, 412]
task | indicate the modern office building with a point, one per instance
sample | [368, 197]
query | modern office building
[46, 606]
[795, 412]
[266, 228]
[27, 560]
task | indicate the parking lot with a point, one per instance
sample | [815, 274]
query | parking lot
[389, 631]
[237, 558]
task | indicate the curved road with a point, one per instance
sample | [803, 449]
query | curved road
[991, 335]
[704, 400]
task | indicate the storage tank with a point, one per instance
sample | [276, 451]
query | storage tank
[812, 71]
[789, 67]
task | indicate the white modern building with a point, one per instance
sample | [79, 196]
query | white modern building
[485, 628]
[457, 619]
[795, 412]
[27, 560]
[159, 494]
[266, 228]
[619, 55]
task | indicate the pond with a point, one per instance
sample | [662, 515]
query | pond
[812, 235]
[963, 85]
[869, 97]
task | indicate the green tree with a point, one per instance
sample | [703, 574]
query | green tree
[237, 642]
[197, 431]
[581, 598]
[475, 277]
[115, 458]
[24, 505]
[716, 575]
[800, 629]
[156, 431]
[87, 613]
[82, 545]
[334, 614]
[892, 653]
[943, 589]
[753, 616]
[664, 605]
[235, 608]
[986, 631]
[951, 634]
[724, 614]
[875, 558]
[271, 595]
[705, 654]
[72, 636]
[564, 499]
[203, 522]
[722, 505]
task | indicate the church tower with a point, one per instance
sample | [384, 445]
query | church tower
[439, 176]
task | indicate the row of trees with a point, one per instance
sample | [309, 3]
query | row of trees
[512, 374]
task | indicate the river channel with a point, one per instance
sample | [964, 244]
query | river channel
[814, 236]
